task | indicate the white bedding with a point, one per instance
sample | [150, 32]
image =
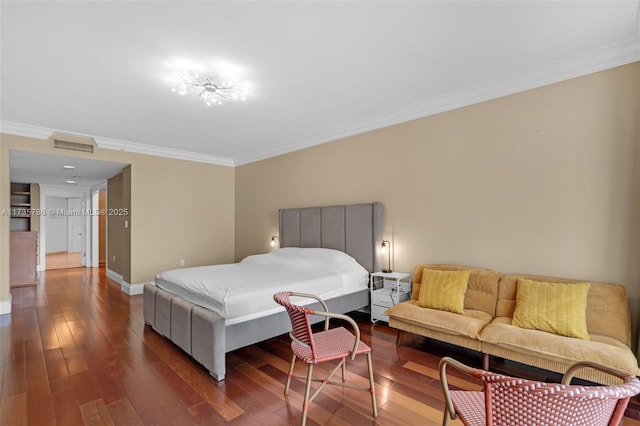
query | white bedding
[244, 291]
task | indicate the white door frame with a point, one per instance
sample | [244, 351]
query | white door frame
[66, 192]
[94, 228]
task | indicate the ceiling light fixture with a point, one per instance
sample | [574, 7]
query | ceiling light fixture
[213, 88]
[68, 167]
[73, 180]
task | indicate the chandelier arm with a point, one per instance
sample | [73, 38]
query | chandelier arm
[210, 88]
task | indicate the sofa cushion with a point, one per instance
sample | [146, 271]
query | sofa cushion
[600, 349]
[482, 289]
[607, 305]
[558, 308]
[468, 324]
[443, 290]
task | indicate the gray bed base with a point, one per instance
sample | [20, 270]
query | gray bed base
[355, 229]
[202, 333]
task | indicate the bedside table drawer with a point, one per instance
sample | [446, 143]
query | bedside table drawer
[377, 313]
[388, 298]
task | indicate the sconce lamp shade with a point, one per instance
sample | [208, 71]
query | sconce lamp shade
[386, 248]
[275, 241]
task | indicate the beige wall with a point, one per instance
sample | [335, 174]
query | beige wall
[179, 210]
[115, 223]
[5, 203]
[544, 181]
[102, 228]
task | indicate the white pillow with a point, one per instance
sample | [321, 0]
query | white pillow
[333, 259]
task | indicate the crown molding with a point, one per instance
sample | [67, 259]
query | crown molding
[138, 148]
[30, 131]
[25, 130]
[591, 62]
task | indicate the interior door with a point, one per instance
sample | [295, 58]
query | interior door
[76, 225]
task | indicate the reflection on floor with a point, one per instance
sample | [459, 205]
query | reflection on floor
[63, 259]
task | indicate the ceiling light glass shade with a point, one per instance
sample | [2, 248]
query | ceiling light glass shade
[213, 89]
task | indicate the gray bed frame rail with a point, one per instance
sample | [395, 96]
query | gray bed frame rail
[355, 229]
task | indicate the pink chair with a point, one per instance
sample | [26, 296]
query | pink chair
[327, 345]
[514, 401]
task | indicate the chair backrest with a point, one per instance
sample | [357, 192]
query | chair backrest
[511, 400]
[299, 316]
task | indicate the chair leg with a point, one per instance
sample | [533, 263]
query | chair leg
[372, 388]
[399, 336]
[485, 361]
[307, 389]
[445, 419]
[344, 367]
[286, 388]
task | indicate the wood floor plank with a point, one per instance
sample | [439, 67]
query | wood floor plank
[217, 399]
[14, 382]
[13, 410]
[200, 414]
[96, 413]
[461, 383]
[122, 413]
[76, 364]
[146, 408]
[85, 388]
[66, 408]
[257, 402]
[188, 396]
[57, 371]
[39, 397]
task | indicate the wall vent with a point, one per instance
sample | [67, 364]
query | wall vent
[72, 146]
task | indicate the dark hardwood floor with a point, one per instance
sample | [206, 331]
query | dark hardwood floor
[75, 351]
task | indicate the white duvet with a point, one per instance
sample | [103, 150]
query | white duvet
[243, 291]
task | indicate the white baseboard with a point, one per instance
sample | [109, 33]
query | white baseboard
[114, 276]
[130, 289]
[5, 306]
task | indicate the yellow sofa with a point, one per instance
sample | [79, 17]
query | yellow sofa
[485, 326]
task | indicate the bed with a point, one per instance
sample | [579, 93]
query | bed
[208, 325]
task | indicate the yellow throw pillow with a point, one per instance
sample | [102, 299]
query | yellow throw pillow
[443, 290]
[557, 308]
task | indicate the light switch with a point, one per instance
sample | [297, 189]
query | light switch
[126, 223]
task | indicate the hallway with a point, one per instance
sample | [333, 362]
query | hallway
[63, 260]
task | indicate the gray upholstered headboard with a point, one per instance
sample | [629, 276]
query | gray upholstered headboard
[355, 229]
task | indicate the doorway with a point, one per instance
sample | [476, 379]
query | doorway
[65, 230]
[77, 184]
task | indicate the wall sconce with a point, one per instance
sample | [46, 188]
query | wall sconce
[275, 241]
[386, 248]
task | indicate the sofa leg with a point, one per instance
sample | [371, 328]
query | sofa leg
[485, 361]
[399, 336]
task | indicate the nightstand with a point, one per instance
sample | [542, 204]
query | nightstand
[387, 289]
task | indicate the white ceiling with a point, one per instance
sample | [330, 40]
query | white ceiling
[320, 70]
[48, 169]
